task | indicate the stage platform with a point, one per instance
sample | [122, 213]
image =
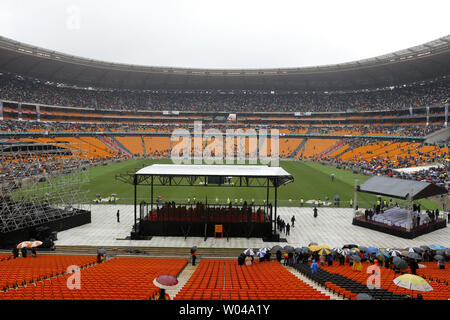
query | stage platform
[333, 227]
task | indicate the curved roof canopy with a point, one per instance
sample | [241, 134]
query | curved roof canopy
[424, 62]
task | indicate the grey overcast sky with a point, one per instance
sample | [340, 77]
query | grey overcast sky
[225, 33]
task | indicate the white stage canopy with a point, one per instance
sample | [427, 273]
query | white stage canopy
[277, 175]
[213, 170]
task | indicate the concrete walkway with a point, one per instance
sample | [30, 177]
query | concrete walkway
[333, 227]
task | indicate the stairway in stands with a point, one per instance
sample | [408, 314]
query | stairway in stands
[345, 147]
[115, 146]
[331, 149]
[301, 147]
[303, 278]
[143, 147]
[322, 277]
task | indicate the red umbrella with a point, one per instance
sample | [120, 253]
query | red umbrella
[165, 281]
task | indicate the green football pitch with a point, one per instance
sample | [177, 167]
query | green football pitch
[312, 181]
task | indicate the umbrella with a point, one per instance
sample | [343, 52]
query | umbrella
[165, 281]
[363, 249]
[426, 248]
[437, 247]
[395, 253]
[261, 253]
[438, 257]
[324, 246]
[289, 248]
[414, 255]
[194, 248]
[35, 244]
[312, 244]
[412, 282]
[350, 246]
[114, 194]
[276, 248]
[249, 252]
[298, 250]
[364, 296]
[400, 263]
[355, 257]
[404, 253]
[354, 251]
[324, 251]
[98, 195]
[371, 250]
[380, 256]
[306, 250]
[101, 251]
[24, 244]
[314, 248]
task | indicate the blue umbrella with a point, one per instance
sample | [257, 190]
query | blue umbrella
[437, 247]
[261, 253]
[371, 250]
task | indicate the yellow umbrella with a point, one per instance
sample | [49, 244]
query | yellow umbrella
[324, 251]
[413, 282]
[324, 246]
[314, 248]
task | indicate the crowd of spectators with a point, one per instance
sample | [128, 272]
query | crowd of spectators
[64, 126]
[19, 89]
[437, 173]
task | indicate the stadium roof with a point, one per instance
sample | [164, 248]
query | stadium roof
[420, 63]
[399, 188]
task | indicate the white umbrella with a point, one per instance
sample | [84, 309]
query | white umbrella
[35, 244]
[249, 252]
[413, 282]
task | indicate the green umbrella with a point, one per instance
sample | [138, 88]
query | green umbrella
[381, 257]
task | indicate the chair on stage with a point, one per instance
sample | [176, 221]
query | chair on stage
[218, 229]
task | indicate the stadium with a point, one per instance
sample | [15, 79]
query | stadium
[341, 166]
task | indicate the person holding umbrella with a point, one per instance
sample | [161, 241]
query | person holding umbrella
[314, 267]
[193, 254]
[441, 263]
[278, 253]
[413, 265]
[164, 282]
[15, 252]
[33, 245]
[162, 295]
